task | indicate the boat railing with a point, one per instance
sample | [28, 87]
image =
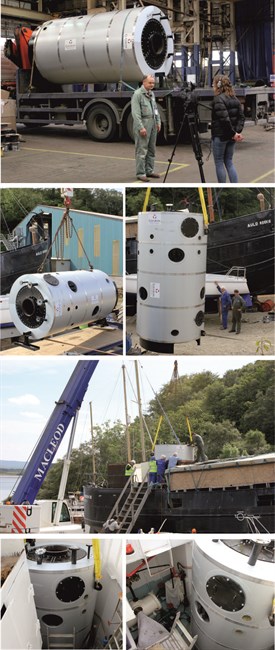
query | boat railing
[239, 271]
[119, 501]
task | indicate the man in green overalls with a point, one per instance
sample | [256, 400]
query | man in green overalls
[238, 306]
[147, 124]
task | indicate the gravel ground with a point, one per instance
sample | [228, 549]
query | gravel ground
[218, 342]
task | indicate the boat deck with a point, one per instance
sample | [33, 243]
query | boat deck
[247, 471]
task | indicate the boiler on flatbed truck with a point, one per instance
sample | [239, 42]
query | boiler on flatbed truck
[84, 69]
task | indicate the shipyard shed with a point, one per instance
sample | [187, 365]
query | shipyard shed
[100, 235]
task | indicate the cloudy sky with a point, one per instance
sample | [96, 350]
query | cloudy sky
[29, 392]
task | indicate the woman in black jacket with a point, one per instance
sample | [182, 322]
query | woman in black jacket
[227, 124]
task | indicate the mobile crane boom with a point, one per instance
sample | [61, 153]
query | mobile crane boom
[43, 455]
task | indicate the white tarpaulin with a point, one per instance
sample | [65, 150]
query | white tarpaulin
[174, 592]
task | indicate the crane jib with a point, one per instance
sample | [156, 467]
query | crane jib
[49, 453]
[53, 434]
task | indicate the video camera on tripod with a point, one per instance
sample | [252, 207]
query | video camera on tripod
[191, 116]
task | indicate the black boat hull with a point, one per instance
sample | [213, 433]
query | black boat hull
[25, 259]
[206, 511]
[244, 241]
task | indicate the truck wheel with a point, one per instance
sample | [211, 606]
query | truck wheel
[101, 123]
[130, 127]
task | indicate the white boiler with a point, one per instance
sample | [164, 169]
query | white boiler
[170, 279]
[64, 590]
[232, 594]
[42, 304]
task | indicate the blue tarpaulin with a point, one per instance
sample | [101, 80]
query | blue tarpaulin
[253, 30]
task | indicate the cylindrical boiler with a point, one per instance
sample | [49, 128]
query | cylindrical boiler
[46, 303]
[231, 599]
[104, 47]
[170, 279]
[63, 580]
[148, 605]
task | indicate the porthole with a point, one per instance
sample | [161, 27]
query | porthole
[72, 286]
[70, 589]
[176, 255]
[199, 318]
[190, 227]
[143, 293]
[52, 620]
[202, 612]
[225, 593]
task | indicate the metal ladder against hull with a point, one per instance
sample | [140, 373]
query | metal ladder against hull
[129, 511]
[177, 639]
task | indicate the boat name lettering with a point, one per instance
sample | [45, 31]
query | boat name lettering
[50, 451]
[40, 252]
[258, 223]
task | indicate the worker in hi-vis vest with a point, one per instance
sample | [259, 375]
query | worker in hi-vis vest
[130, 468]
[152, 477]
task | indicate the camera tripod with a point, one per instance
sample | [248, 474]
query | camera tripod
[190, 114]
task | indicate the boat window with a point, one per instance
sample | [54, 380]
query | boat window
[176, 503]
[225, 593]
[65, 515]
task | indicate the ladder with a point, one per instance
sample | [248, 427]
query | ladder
[129, 511]
[177, 639]
[60, 640]
[7, 242]
[116, 640]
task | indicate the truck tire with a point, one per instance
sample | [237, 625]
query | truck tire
[101, 123]
[130, 127]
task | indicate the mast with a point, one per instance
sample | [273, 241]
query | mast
[142, 440]
[210, 204]
[92, 439]
[128, 442]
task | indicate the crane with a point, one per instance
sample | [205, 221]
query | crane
[44, 452]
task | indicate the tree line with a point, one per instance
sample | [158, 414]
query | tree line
[233, 413]
[17, 202]
[227, 202]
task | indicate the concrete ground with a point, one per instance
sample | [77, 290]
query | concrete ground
[255, 333]
[67, 155]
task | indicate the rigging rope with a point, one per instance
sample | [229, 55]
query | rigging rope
[165, 414]
[143, 418]
[65, 229]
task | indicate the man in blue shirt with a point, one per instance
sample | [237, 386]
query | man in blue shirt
[173, 460]
[226, 304]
